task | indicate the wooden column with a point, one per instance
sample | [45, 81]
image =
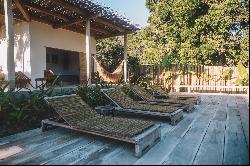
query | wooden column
[10, 42]
[125, 58]
[88, 55]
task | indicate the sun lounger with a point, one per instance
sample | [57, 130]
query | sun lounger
[73, 113]
[129, 106]
[161, 92]
[187, 105]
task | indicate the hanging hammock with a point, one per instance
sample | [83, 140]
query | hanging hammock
[107, 76]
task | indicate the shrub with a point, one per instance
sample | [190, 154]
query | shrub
[243, 78]
[125, 88]
[23, 110]
[93, 95]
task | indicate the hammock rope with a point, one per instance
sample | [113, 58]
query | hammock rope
[106, 76]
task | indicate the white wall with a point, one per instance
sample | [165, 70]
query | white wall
[31, 40]
[21, 49]
[43, 36]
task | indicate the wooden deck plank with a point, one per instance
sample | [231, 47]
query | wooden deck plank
[211, 149]
[97, 157]
[181, 129]
[78, 154]
[19, 136]
[34, 140]
[159, 153]
[165, 128]
[104, 159]
[185, 151]
[236, 151]
[36, 150]
[244, 115]
[125, 156]
[57, 151]
[10, 151]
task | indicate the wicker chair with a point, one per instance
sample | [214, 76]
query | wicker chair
[50, 77]
[21, 80]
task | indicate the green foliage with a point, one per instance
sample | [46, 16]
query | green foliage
[194, 32]
[243, 78]
[110, 52]
[150, 4]
[134, 69]
[93, 95]
[125, 88]
[23, 109]
[227, 74]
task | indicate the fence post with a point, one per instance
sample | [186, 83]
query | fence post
[189, 89]
[178, 84]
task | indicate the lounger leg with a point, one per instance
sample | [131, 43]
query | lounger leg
[45, 126]
[174, 119]
[147, 140]
[138, 151]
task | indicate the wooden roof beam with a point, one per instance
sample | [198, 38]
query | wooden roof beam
[99, 30]
[45, 11]
[68, 23]
[109, 24]
[78, 21]
[69, 7]
[22, 10]
[96, 29]
[81, 12]
[113, 35]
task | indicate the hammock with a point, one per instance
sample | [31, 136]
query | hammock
[107, 76]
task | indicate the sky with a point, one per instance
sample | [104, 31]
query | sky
[135, 10]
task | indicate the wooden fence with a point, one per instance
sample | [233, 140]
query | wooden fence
[189, 78]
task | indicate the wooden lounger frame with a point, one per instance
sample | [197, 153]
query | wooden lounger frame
[185, 107]
[142, 142]
[174, 117]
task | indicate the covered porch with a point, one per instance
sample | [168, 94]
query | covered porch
[90, 20]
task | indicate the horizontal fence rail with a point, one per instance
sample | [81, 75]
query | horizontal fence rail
[191, 78]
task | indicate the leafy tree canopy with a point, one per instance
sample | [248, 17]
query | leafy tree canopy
[209, 32]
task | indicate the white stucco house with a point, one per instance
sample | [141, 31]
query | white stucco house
[59, 35]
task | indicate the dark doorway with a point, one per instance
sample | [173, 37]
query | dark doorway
[65, 64]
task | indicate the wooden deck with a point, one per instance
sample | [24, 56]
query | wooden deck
[217, 132]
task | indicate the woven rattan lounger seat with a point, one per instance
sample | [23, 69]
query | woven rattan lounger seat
[186, 105]
[127, 105]
[75, 114]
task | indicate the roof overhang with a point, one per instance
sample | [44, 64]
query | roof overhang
[72, 15]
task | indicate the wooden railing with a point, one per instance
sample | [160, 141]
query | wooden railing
[228, 89]
[191, 78]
